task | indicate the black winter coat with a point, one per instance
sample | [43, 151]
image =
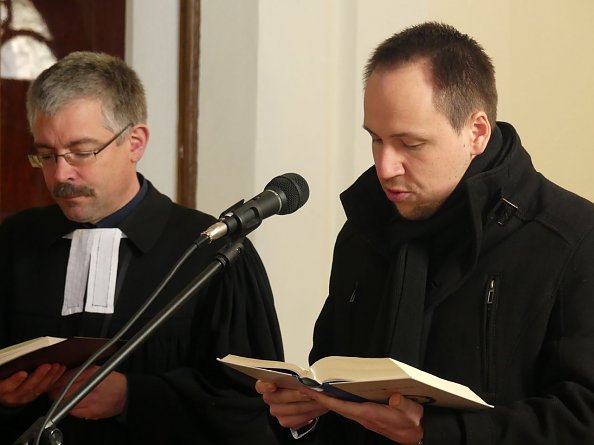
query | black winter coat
[509, 306]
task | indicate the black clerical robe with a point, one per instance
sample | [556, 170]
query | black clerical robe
[177, 393]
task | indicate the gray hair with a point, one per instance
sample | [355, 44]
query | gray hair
[90, 75]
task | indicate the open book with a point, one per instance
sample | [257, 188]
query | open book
[361, 379]
[71, 352]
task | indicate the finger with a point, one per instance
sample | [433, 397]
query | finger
[67, 376]
[307, 409]
[284, 396]
[409, 407]
[54, 393]
[11, 383]
[334, 404]
[361, 412]
[297, 414]
[399, 421]
[263, 387]
[50, 377]
[64, 379]
[27, 390]
[30, 385]
[57, 388]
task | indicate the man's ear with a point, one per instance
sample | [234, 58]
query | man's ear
[480, 132]
[139, 136]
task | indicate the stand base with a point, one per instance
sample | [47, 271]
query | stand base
[51, 435]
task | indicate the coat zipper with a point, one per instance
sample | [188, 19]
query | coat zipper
[489, 333]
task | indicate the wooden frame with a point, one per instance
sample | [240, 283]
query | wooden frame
[187, 127]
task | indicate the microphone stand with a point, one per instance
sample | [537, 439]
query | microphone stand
[50, 434]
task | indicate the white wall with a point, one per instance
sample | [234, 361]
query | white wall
[281, 91]
[543, 52]
[228, 99]
[152, 28]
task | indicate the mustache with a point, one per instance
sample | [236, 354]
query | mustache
[395, 185]
[67, 190]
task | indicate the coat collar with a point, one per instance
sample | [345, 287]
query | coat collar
[145, 225]
[498, 199]
[367, 207]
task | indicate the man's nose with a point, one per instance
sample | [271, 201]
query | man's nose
[63, 171]
[389, 163]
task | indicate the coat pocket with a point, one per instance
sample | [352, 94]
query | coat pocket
[488, 343]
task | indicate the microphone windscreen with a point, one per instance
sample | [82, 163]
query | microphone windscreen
[295, 189]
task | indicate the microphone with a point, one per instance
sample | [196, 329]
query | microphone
[282, 195]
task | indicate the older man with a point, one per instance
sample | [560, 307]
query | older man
[87, 114]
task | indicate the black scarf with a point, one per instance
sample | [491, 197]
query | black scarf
[417, 249]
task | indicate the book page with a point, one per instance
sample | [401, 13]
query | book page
[285, 375]
[354, 369]
[265, 364]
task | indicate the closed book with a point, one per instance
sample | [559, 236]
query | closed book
[71, 352]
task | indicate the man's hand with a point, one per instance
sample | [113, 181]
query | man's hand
[399, 421]
[292, 408]
[22, 388]
[107, 399]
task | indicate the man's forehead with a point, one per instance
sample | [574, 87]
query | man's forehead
[70, 126]
[421, 63]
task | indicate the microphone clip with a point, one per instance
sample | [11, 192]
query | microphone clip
[230, 210]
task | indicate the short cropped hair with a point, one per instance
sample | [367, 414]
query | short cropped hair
[463, 75]
[90, 75]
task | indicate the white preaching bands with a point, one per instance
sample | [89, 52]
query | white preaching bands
[92, 266]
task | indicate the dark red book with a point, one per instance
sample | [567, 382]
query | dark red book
[70, 352]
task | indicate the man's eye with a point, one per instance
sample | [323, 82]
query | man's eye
[413, 146]
[45, 156]
[81, 154]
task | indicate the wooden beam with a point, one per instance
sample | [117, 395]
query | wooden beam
[187, 126]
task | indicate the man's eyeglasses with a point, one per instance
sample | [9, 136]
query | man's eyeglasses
[74, 158]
